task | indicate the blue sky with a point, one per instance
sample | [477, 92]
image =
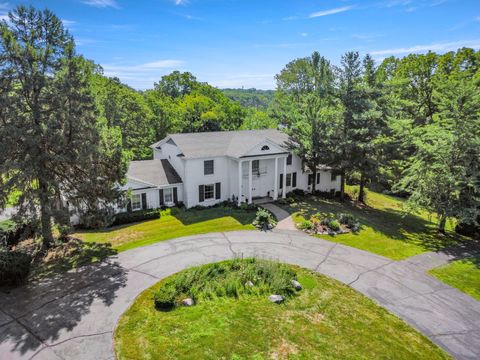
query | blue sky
[235, 43]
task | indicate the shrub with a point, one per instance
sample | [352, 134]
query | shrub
[14, 267]
[347, 219]
[298, 192]
[164, 298]
[331, 223]
[135, 216]
[11, 233]
[305, 225]
[174, 211]
[264, 219]
[248, 207]
[334, 225]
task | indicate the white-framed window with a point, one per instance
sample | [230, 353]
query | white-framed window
[255, 166]
[208, 167]
[289, 179]
[209, 192]
[168, 196]
[136, 202]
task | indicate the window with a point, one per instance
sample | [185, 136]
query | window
[310, 179]
[334, 177]
[136, 202]
[208, 167]
[265, 148]
[256, 166]
[209, 192]
[168, 196]
[289, 159]
[289, 180]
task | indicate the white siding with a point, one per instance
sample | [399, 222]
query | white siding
[194, 176]
[170, 152]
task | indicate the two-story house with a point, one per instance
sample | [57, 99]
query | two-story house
[207, 168]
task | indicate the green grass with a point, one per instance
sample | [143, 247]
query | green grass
[387, 229]
[184, 223]
[462, 274]
[13, 198]
[325, 320]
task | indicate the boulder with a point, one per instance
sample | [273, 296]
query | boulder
[277, 299]
[296, 285]
[249, 284]
[188, 302]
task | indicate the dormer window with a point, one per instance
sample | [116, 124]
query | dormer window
[265, 148]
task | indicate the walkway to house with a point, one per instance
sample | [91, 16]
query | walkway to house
[285, 221]
[73, 316]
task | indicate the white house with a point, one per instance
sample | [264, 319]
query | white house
[207, 168]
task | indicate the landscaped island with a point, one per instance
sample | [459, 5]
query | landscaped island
[325, 319]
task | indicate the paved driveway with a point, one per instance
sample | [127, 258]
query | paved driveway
[74, 315]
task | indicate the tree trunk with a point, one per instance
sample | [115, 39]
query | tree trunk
[342, 185]
[442, 223]
[314, 180]
[361, 193]
[45, 216]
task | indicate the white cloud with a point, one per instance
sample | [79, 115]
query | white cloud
[101, 3]
[68, 23]
[445, 46]
[259, 81]
[181, 2]
[304, 34]
[141, 76]
[330, 11]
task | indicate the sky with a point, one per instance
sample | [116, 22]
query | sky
[244, 43]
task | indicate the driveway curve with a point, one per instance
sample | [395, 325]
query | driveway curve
[73, 316]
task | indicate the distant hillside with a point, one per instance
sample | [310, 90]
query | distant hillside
[259, 99]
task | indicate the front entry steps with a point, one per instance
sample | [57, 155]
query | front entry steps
[262, 200]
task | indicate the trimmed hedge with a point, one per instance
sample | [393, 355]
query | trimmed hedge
[14, 267]
[136, 216]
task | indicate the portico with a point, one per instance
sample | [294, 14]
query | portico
[259, 176]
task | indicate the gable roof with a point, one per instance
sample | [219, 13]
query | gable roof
[224, 143]
[155, 172]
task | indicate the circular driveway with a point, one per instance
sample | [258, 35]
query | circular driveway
[73, 315]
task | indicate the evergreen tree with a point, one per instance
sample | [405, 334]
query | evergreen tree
[54, 151]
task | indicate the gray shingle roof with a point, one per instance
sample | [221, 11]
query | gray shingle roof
[221, 143]
[156, 172]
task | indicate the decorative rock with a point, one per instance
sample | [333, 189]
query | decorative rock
[296, 285]
[249, 284]
[188, 302]
[277, 299]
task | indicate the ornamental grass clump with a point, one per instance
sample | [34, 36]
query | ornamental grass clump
[228, 279]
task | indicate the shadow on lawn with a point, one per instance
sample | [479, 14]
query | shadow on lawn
[395, 224]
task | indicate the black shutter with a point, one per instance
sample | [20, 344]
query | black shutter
[201, 193]
[144, 201]
[310, 179]
[160, 194]
[218, 193]
[175, 195]
[129, 205]
[294, 179]
[281, 181]
[318, 178]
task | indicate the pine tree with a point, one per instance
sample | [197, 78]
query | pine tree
[55, 153]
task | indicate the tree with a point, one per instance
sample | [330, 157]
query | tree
[55, 151]
[444, 172]
[305, 105]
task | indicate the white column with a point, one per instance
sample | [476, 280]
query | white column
[275, 182]
[250, 182]
[284, 190]
[239, 182]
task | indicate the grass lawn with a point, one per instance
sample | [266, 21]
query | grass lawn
[185, 222]
[462, 274]
[386, 229]
[325, 320]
